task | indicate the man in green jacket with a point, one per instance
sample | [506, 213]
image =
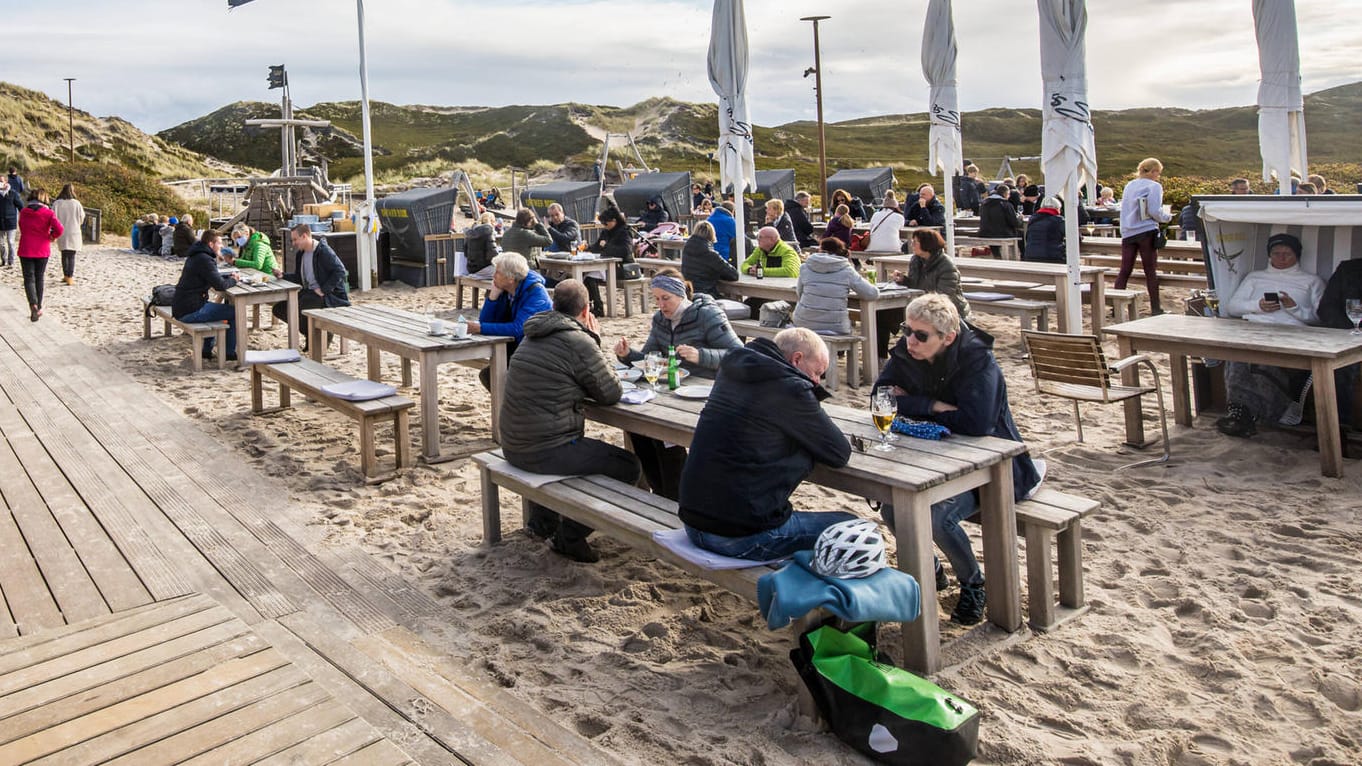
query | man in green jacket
[776, 257]
[557, 366]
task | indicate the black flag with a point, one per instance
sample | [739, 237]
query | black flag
[234, 3]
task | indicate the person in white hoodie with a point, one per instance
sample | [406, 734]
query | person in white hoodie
[1283, 293]
[1141, 213]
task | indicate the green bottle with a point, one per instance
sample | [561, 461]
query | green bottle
[673, 369]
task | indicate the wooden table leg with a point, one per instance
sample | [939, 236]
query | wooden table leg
[1182, 399]
[315, 334]
[1062, 303]
[430, 409]
[293, 320]
[375, 371]
[610, 286]
[243, 332]
[913, 530]
[498, 381]
[870, 331]
[406, 372]
[1326, 419]
[998, 516]
[1130, 376]
[1099, 304]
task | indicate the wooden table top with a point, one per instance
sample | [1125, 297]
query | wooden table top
[970, 265]
[397, 326]
[1313, 342]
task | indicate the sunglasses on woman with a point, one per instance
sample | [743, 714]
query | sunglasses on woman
[922, 335]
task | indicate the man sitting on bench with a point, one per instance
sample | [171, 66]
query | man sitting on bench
[199, 275]
[558, 365]
[757, 438]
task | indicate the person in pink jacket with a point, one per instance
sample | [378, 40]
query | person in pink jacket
[38, 229]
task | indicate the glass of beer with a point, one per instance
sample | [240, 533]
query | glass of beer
[883, 407]
[652, 368]
[1212, 301]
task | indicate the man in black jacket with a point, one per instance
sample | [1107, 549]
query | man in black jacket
[927, 210]
[998, 217]
[758, 437]
[320, 271]
[798, 210]
[1045, 233]
[943, 370]
[199, 275]
[563, 230]
[558, 365]
[10, 202]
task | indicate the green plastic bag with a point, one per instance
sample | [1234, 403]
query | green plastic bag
[883, 711]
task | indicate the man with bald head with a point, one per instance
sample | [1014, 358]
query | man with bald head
[928, 210]
[758, 437]
[776, 257]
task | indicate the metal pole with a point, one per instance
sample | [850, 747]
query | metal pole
[283, 133]
[71, 118]
[367, 236]
[818, 94]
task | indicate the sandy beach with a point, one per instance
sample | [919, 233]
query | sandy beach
[1226, 614]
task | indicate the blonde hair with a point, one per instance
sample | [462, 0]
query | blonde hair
[487, 218]
[936, 310]
[843, 214]
[1149, 166]
[706, 230]
[775, 204]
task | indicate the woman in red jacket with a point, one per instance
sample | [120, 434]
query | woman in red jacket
[38, 229]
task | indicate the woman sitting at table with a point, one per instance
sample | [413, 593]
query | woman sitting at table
[703, 210]
[777, 218]
[698, 329]
[1045, 234]
[702, 265]
[854, 205]
[931, 271]
[480, 246]
[824, 282]
[616, 241]
[254, 251]
[840, 226]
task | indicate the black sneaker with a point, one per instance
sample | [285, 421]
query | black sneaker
[1238, 421]
[577, 550]
[969, 610]
[942, 582]
[207, 353]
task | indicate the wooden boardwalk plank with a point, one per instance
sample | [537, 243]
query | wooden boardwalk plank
[171, 735]
[24, 652]
[130, 711]
[28, 604]
[349, 737]
[279, 734]
[380, 753]
[74, 592]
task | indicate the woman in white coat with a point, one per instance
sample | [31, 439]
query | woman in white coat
[71, 214]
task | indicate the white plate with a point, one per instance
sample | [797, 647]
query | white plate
[629, 375]
[682, 372]
[693, 392]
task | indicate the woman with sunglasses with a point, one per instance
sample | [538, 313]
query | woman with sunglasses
[943, 370]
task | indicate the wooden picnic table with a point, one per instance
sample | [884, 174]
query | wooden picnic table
[1176, 248]
[669, 249]
[1010, 246]
[578, 269]
[267, 292]
[913, 476]
[406, 334]
[654, 265]
[1023, 271]
[905, 232]
[783, 289]
[1318, 349]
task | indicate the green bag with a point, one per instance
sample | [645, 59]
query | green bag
[883, 711]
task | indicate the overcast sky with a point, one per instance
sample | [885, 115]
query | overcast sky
[157, 63]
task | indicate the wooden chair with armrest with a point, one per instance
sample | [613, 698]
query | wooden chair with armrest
[1074, 367]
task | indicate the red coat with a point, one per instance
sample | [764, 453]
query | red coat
[38, 229]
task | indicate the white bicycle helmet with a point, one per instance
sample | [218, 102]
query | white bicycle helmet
[849, 549]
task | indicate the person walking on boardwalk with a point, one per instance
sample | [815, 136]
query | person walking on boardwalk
[38, 229]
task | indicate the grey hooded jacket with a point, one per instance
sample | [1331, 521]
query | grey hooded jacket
[824, 282]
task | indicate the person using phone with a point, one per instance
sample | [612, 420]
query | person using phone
[1283, 293]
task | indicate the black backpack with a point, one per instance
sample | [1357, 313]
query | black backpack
[161, 295]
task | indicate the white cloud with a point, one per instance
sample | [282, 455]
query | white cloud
[159, 62]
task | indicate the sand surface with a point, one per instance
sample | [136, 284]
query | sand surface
[1224, 587]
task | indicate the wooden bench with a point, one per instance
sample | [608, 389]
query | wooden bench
[630, 287]
[474, 284]
[309, 378]
[1031, 312]
[1054, 516]
[1121, 302]
[197, 332]
[851, 344]
[1162, 265]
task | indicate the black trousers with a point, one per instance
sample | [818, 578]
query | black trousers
[68, 263]
[661, 464]
[34, 269]
[593, 291]
[576, 458]
[306, 300]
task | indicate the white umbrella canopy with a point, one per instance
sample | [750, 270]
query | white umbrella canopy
[1281, 108]
[943, 138]
[1068, 147]
[728, 76]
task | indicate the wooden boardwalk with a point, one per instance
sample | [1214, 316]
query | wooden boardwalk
[158, 607]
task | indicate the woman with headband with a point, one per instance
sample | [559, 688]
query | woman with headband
[699, 329]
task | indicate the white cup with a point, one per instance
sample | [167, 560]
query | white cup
[437, 326]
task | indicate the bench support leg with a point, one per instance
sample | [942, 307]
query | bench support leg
[220, 345]
[402, 437]
[367, 458]
[491, 508]
[1071, 566]
[257, 392]
[195, 351]
[854, 365]
[146, 323]
[1038, 562]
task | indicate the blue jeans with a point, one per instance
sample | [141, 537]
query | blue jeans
[949, 537]
[216, 312]
[798, 533]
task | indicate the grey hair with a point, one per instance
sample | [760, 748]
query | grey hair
[1052, 202]
[512, 265]
[801, 339]
[936, 310]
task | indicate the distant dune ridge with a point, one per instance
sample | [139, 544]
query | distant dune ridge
[424, 140]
